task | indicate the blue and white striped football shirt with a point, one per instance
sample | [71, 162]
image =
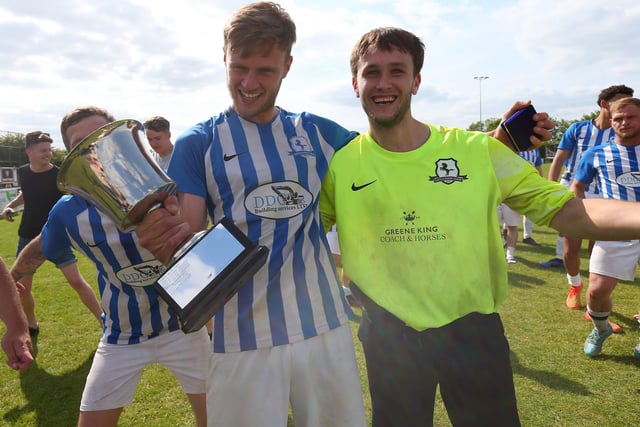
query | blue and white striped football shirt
[267, 179]
[532, 156]
[133, 310]
[578, 138]
[615, 168]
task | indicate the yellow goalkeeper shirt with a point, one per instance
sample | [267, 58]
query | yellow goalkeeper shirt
[419, 231]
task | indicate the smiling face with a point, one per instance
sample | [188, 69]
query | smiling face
[254, 81]
[384, 83]
[39, 154]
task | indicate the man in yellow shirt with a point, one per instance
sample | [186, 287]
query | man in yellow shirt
[416, 208]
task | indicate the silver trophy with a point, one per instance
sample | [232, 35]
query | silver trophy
[113, 170]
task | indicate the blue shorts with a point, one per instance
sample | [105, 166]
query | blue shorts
[67, 257]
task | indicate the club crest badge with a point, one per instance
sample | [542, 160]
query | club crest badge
[447, 172]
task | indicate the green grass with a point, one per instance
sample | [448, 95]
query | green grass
[556, 384]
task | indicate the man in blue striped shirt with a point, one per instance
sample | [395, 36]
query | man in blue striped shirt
[533, 157]
[615, 168]
[139, 327]
[285, 338]
[579, 137]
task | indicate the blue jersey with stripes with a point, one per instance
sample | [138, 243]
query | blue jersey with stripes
[266, 178]
[133, 310]
[578, 138]
[532, 156]
[615, 168]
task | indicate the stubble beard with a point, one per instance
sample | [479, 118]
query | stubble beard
[392, 121]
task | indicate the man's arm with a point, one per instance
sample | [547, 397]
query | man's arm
[83, 289]
[578, 188]
[16, 342]
[556, 164]
[194, 211]
[29, 259]
[598, 219]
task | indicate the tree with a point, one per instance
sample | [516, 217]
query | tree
[12, 150]
[58, 156]
[487, 124]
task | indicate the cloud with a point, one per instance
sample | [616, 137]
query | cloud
[139, 58]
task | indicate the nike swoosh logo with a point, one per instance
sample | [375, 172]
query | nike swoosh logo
[609, 161]
[355, 187]
[95, 245]
[228, 157]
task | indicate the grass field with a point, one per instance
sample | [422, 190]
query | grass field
[556, 384]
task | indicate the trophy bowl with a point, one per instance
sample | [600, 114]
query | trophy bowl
[112, 169]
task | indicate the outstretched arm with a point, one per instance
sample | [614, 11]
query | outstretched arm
[599, 219]
[29, 259]
[16, 342]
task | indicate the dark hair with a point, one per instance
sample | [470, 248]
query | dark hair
[74, 116]
[258, 27]
[386, 39]
[157, 124]
[608, 93]
[35, 137]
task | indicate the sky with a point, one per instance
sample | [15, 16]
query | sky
[140, 58]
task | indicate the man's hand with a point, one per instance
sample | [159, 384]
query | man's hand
[7, 213]
[18, 348]
[541, 129]
[163, 230]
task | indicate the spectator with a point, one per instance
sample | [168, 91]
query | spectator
[39, 192]
[158, 132]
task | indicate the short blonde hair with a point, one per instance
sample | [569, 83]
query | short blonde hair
[259, 27]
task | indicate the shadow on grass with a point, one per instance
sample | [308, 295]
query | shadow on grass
[629, 360]
[519, 280]
[548, 379]
[55, 399]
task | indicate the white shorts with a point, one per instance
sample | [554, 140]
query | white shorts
[508, 216]
[616, 259]
[318, 377]
[116, 369]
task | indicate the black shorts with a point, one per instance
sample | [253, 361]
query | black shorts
[468, 359]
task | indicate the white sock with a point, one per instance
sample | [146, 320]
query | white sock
[574, 280]
[510, 251]
[600, 319]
